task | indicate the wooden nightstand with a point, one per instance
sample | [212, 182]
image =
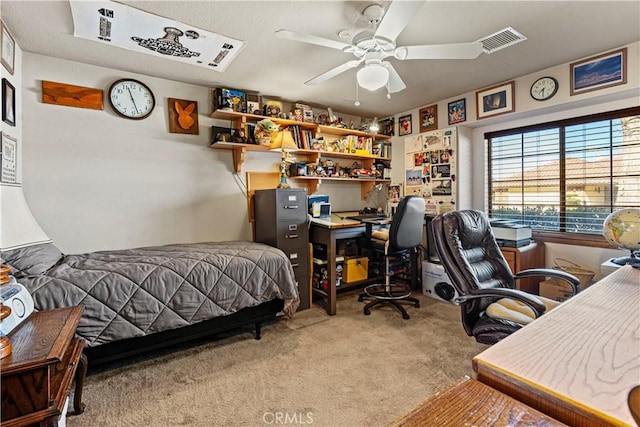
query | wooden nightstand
[37, 375]
[524, 258]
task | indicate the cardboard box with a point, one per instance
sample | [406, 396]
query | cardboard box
[355, 269]
[555, 289]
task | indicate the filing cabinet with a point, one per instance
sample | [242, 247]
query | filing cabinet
[281, 222]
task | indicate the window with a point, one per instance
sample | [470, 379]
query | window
[564, 178]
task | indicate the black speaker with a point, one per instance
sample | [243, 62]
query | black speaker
[445, 291]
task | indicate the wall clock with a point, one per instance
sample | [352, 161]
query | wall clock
[131, 99]
[544, 88]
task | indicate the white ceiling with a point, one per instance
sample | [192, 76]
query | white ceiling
[557, 32]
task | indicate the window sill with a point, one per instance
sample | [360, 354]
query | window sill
[590, 240]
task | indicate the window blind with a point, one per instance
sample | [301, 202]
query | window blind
[565, 176]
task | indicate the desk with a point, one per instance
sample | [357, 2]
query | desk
[578, 362]
[471, 403]
[328, 232]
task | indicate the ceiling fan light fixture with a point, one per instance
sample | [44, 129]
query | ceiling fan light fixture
[373, 76]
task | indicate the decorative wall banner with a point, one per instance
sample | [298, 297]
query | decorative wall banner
[72, 96]
[183, 116]
[123, 26]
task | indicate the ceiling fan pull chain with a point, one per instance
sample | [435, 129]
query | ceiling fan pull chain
[388, 91]
[357, 103]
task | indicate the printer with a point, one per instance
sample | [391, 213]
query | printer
[510, 234]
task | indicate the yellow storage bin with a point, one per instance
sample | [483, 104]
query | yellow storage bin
[355, 269]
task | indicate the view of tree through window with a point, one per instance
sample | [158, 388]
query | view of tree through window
[566, 176]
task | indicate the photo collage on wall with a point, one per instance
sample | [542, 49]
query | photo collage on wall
[430, 169]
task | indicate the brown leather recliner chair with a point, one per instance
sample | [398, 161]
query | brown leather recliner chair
[479, 272]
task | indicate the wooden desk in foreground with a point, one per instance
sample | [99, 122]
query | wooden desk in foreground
[471, 403]
[578, 362]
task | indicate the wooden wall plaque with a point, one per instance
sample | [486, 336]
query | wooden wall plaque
[72, 96]
[183, 116]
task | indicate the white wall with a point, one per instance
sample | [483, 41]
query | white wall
[527, 112]
[16, 82]
[96, 181]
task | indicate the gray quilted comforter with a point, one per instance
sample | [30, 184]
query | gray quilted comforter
[135, 292]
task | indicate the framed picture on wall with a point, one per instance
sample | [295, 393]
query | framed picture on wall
[599, 72]
[183, 116]
[404, 125]
[495, 100]
[429, 118]
[8, 48]
[9, 159]
[387, 126]
[8, 103]
[457, 111]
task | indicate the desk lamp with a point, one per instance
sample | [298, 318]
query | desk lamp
[284, 142]
[18, 229]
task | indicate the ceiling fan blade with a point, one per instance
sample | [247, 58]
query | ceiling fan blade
[396, 18]
[306, 38]
[333, 72]
[440, 51]
[395, 82]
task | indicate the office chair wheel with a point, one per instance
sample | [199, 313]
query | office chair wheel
[405, 316]
[367, 312]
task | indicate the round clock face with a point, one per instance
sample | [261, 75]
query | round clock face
[131, 99]
[544, 88]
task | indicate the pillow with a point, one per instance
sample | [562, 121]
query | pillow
[517, 311]
[32, 260]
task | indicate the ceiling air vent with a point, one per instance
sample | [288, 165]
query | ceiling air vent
[501, 39]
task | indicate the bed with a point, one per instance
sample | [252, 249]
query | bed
[136, 300]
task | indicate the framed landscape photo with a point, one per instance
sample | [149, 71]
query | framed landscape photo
[599, 72]
[404, 125]
[495, 100]
[8, 103]
[429, 118]
[8, 48]
[457, 111]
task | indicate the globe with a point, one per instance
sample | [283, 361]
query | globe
[622, 229]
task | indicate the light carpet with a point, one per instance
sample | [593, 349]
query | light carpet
[319, 370]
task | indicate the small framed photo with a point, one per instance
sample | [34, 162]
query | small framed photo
[8, 103]
[8, 45]
[599, 72]
[457, 111]
[9, 160]
[404, 125]
[429, 118]
[387, 126]
[495, 100]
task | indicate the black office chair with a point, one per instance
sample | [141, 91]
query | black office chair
[491, 308]
[403, 236]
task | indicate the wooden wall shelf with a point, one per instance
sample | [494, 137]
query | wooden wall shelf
[238, 120]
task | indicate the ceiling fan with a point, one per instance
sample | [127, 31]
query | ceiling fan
[373, 47]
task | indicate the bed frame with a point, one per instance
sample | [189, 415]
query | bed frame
[265, 312]
[120, 349]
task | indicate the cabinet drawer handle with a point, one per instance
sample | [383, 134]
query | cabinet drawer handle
[291, 236]
[291, 207]
[295, 265]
